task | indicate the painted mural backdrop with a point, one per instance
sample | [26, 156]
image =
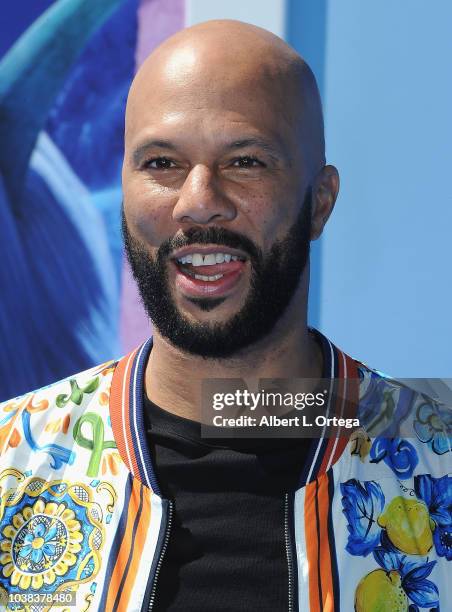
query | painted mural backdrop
[67, 300]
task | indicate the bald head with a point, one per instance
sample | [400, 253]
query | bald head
[221, 63]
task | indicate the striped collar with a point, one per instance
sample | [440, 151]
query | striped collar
[126, 413]
[339, 368]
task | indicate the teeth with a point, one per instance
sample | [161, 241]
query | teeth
[210, 259]
[208, 278]
[197, 259]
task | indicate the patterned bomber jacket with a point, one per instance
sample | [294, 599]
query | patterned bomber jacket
[81, 513]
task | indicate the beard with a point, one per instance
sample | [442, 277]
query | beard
[274, 280]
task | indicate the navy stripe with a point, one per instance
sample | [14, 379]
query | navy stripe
[145, 467]
[320, 458]
[334, 372]
[116, 543]
[309, 460]
[147, 460]
[129, 559]
[331, 540]
[329, 369]
[133, 372]
[158, 552]
[326, 352]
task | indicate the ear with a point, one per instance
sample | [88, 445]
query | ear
[324, 194]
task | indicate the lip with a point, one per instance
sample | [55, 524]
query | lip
[206, 249]
[192, 287]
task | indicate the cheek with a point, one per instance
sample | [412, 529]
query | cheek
[148, 212]
[271, 218]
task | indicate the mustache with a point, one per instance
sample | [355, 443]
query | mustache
[212, 235]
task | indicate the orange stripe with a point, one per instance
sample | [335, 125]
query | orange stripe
[119, 383]
[315, 529]
[138, 544]
[126, 417]
[325, 555]
[126, 548]
[350, 406]
[310, 527]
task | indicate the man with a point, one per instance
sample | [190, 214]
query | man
[110, 491]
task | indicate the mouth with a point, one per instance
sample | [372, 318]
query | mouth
[208, 271]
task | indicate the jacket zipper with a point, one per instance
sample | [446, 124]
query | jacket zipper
[162, 554]
[288, 551]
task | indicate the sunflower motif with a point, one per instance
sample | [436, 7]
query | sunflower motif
[40, 543]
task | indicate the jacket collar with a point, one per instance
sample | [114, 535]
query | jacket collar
[126, 413]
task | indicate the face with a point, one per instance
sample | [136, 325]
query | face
[217, 209]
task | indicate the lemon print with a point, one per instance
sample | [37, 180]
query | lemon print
[408, 525]
[381, 591]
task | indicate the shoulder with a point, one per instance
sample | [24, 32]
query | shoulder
[55, 403]
[395, 482]
[407, 430]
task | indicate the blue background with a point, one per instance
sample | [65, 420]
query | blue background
[381, 277]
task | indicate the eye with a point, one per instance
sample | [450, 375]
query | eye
[160, 163]
[248, 161]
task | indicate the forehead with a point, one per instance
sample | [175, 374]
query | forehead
[187, 93]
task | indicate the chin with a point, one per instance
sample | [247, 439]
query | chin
[208, 310]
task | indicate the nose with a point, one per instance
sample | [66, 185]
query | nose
[201, 200]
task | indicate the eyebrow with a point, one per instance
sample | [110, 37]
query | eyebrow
[254, 142]
[141, 150]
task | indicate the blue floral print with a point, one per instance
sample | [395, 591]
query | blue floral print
[391, 529]
[383, 407]
[437, 495]
[399, 454]
[433, 426]
[362, 504]
[39, 542]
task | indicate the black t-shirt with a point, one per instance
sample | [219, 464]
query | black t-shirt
[227, 548]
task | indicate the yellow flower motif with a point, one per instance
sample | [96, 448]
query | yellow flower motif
[40, 543]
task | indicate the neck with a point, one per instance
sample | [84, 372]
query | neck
[173, 377]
